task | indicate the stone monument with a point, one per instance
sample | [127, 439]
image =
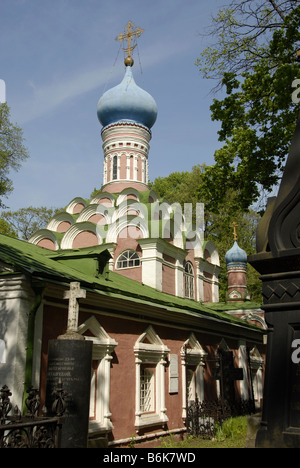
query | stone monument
[278, 261]
[70, 359]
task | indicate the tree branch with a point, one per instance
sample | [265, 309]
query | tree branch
[280, 13]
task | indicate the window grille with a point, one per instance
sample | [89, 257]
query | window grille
[146, 397]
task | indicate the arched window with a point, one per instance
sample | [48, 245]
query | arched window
[189, 280]
[128, 259]
[115, 167]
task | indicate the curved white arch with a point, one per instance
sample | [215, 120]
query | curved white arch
[94, 209]
[255, 318]
[194, 241]
[58, 219]
[97, 199]
[128, 205]
[43, 234]
[77, 228]
[74, 202]
[153, 195]
[212, 249]
[124, 222]
[124, 194]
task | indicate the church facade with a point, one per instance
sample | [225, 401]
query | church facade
[151, 306]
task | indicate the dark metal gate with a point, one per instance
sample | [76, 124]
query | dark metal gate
[31, 430]
[203, 418]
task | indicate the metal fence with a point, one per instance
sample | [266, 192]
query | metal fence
[203, 418]
[31, 430]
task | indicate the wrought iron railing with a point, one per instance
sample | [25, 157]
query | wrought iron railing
[31, 430]
[203, 418]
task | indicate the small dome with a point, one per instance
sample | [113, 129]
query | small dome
[235, 255]
[127, 102]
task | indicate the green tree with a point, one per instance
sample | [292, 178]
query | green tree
[189, 187]
[221, 233]
[26, 221]
[12, 150]
[242, 32]
[6, 228]
[258, 115]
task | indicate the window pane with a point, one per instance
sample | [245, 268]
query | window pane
[115, 167]
[189, 281]
[146, 397]
[128, 259]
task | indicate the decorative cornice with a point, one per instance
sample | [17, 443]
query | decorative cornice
[122, 123]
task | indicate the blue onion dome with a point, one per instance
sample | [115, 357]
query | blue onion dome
[127, 102]
[235, 255]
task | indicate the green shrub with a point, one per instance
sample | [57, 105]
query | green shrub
[232, 434]
[232, 428]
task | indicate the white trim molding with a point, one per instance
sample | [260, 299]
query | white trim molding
[149, 349]
[103, 347]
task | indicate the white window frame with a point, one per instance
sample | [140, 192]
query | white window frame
[189, 281]
[191, 385]
[103, 347]
[256, 369]
[147, 391]
[131, 255]
[192, 355]
[149, 349]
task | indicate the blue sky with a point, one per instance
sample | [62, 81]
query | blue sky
[57, 57]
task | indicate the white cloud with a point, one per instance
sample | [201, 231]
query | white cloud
[48, 97]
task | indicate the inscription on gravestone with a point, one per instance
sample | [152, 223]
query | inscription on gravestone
[70, 360]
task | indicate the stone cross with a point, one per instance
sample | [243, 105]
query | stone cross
[73, 295]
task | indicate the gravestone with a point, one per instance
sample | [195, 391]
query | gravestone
[278, 261]
[70, 359]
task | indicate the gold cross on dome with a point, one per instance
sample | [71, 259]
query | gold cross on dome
[129, 34]
[234, 225]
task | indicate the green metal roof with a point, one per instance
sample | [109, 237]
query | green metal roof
[89, 267]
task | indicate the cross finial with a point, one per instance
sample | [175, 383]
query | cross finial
[129, 34]
[234, 225]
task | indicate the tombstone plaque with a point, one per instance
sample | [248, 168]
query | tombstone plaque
[70, 360]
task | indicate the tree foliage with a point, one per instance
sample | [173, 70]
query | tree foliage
[242, 32]
[12, 150]
[26, 221]
[257, 115]
[190, 187]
